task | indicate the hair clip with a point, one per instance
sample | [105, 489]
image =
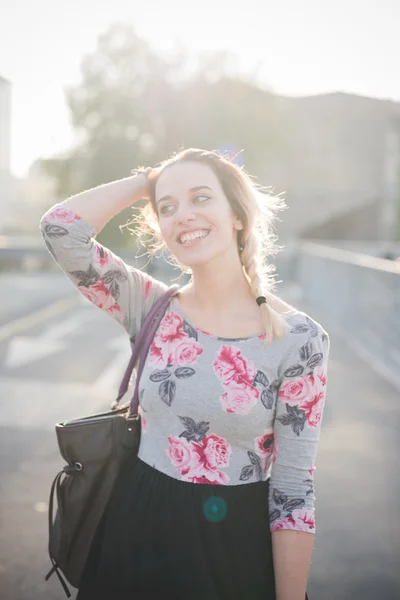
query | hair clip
[261, 300]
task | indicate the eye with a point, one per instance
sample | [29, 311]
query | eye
[202, 198]
[166, 209]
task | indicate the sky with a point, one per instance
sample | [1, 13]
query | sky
[305, 46]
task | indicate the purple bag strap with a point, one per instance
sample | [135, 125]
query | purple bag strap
[142, 346]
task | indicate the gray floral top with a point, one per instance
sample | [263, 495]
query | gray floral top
[224, 411]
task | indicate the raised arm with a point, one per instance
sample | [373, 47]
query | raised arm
[98, 205]
[69, 230]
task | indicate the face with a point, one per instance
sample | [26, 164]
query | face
[195, 217]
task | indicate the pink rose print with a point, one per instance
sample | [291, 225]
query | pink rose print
[312, 470]
[216, 451]
[314, 408]
[295, 391]
[230, 366]
[319, 376]
[314, 405]
[308, 393]
[200, 462]
[284, 523]
[144, 424]
[63, 215]
[172, 345]
[143, 420]
[184, 352]
[170, 333]
[212, 477]
[156, 356]
[100, 296]
[101, 255]
[265, 446]
[239, 399]
[171, 328]
[147, 288]
[182, 455]
[115, 311]
[304, 519]
[264, 443]
[203, 479]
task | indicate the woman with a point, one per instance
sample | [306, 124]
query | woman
[231, 396]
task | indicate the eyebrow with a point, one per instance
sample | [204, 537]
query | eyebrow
[193, 189]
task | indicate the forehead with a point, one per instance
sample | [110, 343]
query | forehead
[179, 178]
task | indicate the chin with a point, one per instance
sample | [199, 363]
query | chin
[195, 262]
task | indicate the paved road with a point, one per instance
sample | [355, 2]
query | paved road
[57, 369]
[27, 293]
[357, 547]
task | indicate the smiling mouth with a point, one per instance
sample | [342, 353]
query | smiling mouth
[191, 237]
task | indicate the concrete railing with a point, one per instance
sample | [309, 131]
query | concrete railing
[377, 249]
[357, 293]
[360, 295]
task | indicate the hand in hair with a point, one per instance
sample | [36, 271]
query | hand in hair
[144, 174]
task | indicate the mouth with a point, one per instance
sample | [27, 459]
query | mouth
[189, 238]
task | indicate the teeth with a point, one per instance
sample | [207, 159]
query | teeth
[189, 237]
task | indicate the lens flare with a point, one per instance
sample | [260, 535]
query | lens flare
[215, 509]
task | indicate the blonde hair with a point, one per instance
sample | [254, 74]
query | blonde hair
[256, 210]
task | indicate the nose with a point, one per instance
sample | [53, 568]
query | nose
[185, 213]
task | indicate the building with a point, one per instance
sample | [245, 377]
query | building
[5, 125]
[333, 163]
[6, 179]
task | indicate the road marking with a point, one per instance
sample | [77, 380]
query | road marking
[61, 329]
[41, 507]
[23, 350]
[40, 316]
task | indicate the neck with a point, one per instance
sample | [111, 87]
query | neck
[219, 287]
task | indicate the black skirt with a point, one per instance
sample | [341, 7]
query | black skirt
[162, 538]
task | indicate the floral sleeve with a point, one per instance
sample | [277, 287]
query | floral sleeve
[299, 409]
[124, 293]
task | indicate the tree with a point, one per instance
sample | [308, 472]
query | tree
[134, 106]
[121, 112]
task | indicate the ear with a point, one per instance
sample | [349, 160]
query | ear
[237, 223]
